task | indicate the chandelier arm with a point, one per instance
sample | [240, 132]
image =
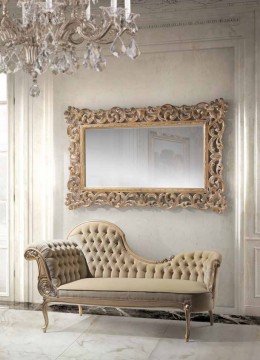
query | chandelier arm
[10, 32]
[66, 30]
[75, 41]
[100, 35]
[90, 33]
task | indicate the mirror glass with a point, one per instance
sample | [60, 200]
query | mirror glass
[145, 157]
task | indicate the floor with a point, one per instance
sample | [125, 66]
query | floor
[93, 337]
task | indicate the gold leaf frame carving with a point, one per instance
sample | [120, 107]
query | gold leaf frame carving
[212, 115]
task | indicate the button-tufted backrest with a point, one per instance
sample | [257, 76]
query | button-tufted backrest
[108, 255]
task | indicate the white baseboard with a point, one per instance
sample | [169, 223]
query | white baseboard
[252, 310]
[227, 310]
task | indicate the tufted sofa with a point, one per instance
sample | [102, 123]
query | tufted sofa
[95, 266]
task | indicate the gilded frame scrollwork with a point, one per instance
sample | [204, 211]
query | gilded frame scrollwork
[211, 115]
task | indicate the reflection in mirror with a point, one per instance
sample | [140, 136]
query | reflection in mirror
[154, 157]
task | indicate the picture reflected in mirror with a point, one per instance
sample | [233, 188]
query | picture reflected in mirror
[145, 157]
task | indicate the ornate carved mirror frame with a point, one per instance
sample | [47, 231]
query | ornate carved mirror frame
[211, 115]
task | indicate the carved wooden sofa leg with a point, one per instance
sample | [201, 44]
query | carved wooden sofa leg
[80, 310]
[211, 317]
[45, 315]
[187, 311]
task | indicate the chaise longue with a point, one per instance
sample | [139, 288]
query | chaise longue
[95, 266]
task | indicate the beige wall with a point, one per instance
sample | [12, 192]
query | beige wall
[186, 58]
[174, 77]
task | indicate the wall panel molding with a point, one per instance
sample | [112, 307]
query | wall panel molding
[252, 267]
[182, 5]
[22, 177]
[257, 126]
[41, 211]
[212, 21]
[257, 271]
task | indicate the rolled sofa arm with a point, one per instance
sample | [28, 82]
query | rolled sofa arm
[58, 263]
[211, 267]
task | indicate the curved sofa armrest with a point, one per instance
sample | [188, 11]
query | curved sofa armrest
[45, 285]
[58, 263]
[211, 266]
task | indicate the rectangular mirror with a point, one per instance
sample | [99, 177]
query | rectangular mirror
[165, 156]
[154, 157]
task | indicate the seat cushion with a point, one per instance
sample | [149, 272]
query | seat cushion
[135, 292]
[139, 292]
[136, 285]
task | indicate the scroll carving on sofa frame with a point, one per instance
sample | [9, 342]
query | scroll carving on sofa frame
[210, 115]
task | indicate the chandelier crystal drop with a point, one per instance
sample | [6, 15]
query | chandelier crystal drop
[49, 33]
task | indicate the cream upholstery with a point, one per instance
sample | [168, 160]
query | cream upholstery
[135, 285]
[107, 255]
[152, 292]
[95, 266]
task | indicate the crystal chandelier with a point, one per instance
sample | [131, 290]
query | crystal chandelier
[49, 33]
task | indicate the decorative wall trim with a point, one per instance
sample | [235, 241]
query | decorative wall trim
[257, 127]
[220, 21]
[249, 239]
[11, 189]
[22, 186]
[179, 5]
[211, 197]
[257, 271]
[48, 155]
[205, 3]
